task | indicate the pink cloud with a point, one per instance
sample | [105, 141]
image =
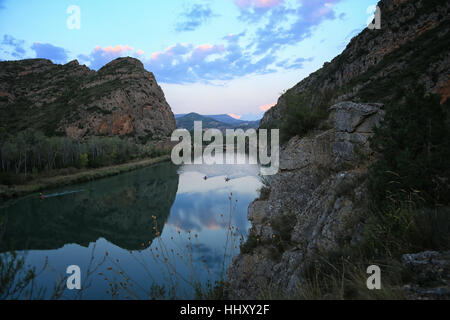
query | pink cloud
[120, 49]
[156, 55]
[202, 51]
[235, 116]
[169, 52]
[101, 56]
[257, 3]
[266, 107]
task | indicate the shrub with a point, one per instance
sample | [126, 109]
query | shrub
[413, 148]
[304, 113]
[83, 161]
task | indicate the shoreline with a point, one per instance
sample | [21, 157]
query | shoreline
[40, 184]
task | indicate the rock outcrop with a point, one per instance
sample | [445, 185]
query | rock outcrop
[315, 203]
[429, 275]
[121, 99]
[318, 201]
[412, 47]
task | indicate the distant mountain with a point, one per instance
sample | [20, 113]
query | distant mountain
[225, 118]
[252, 117]
[221, 122]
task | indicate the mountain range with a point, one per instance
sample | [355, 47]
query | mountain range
[221, 122]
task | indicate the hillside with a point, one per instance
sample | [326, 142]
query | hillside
[348, 194]
[121, 99]
[411, 48]
[221, 122]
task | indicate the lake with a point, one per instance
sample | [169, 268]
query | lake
[155, 233]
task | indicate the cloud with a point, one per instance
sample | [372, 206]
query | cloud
[101, 56]
[233, 37]
[194, 18]
[266, 107]
[49, 51]
[13, 46]
[186, 63]
[258, 3]
[283, 24]
[235, 116]
[296, 64]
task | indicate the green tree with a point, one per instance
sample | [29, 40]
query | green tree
[83, 161]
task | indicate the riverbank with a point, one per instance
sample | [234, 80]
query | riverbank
[41, 184]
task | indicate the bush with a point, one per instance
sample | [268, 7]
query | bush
[304, 113]
[300, 120]
[83, 161]
[413, 152]
[10, 179]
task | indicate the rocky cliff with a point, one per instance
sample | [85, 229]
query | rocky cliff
[318, 202]
[314, 204]
[412, 47]
[121, 99]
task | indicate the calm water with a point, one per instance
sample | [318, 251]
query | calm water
[109, 229]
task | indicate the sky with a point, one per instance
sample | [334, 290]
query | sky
[210, 56]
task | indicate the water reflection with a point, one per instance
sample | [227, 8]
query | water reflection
[115, 216]
[119, 209]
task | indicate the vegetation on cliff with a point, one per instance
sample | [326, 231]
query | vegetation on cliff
[411, 48]
[409, 210]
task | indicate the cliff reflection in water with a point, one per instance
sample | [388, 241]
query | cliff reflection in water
[119, 209]
[113, 218]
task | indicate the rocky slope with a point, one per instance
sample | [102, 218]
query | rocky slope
[122, 98]
[412, 47]
[315, 203]
[318, 201]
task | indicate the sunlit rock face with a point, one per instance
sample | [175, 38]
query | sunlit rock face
[316, 202]
[121, 99]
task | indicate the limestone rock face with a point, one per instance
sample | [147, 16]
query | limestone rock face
[121, 99]
[321, 189]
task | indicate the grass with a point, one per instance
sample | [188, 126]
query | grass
[176, 261]
[404, 227]
[41, 184]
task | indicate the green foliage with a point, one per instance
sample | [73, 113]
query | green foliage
[301, 118]
[83, 160]
[304, 113]
[31, 152]
[408, 186]
[405, 227]
[419, 53]
[413, 146]
[249, 245]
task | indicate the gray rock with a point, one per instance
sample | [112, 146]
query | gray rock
[321, 187]
[429, 274]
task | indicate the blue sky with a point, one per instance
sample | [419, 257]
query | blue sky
[209, 56]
